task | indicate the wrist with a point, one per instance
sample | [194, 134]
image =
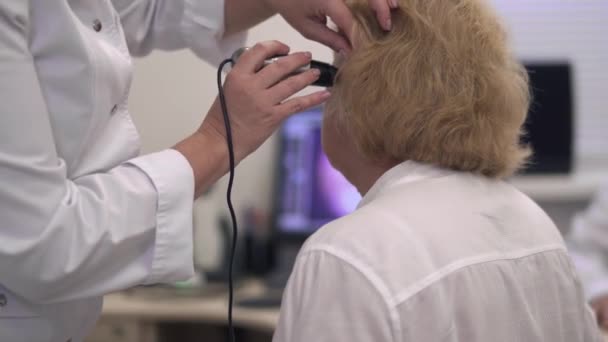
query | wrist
[207, 154]
[213, 129]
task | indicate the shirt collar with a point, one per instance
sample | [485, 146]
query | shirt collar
[406, 172]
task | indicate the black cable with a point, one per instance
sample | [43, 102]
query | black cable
[220, 87]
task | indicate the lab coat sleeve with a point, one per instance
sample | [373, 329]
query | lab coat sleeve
[177, 24]
[329, 299]
[588, 245]
[63, 239]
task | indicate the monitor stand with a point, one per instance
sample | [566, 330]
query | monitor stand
[276, 280]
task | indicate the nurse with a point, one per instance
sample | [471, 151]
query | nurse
[81, 213]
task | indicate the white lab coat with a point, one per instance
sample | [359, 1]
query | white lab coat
[435, 255]
[81, 214]
[588, 245]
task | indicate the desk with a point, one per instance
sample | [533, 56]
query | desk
[580, 185]
[134, 315]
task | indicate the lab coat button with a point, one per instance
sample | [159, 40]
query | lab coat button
[3, 300]
[114, 109]
[97, 25]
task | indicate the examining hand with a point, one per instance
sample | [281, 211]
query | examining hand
[310, 18]
[255, 98]
[258, 101]
[600, 307]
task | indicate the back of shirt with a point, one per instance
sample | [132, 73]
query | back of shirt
[434, 255]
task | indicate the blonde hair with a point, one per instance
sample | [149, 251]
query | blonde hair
[442, 88]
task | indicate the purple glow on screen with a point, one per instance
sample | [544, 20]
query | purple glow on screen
[312, 192]
[338, 194]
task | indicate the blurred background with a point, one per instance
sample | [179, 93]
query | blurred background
[286, 190]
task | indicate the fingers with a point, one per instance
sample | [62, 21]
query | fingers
[383, 11]
[341, 15]
[292, 85]
[300, 104]
[253, 59]
[326, 36]
[284, 66]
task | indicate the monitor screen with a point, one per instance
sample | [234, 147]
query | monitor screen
[310, 192]
[549, 125]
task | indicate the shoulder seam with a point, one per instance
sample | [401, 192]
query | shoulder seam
[449, 269]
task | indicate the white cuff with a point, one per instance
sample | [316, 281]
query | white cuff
[173, 178]
[203, 29]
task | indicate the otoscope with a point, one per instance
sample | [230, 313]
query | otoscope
[326, 79]
[328, 71]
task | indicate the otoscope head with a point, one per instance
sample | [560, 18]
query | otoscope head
[328, 74]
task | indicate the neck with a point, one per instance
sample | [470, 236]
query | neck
[365, 176]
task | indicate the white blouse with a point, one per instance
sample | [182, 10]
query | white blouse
[81, 214]
[434, 255]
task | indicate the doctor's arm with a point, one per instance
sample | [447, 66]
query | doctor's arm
[179, 24]
[309, 17]
[210, 27]
[329, 299]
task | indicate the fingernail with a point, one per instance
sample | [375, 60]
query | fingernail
[316, 73]
[388, 24]
[325, 94]
[394, 4]
[308, 54]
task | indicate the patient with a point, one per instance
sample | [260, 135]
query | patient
[425, 121]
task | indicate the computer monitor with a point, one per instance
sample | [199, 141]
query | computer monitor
[310, 192]
[549, 124]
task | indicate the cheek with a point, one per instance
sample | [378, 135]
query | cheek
[329, 140]
[337, 146]
[325, 136]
